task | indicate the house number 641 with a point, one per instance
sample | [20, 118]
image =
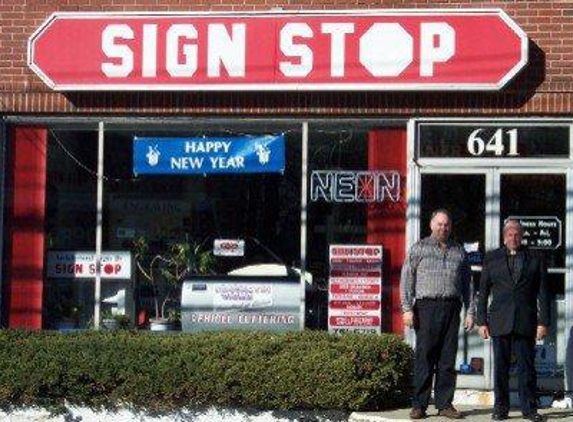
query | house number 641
[496, 145]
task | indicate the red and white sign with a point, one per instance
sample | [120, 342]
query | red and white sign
[303, 50]
[351, 288]
[365, 305]
[354, 321]
[228, 247]
[74, 264]
[355, 288]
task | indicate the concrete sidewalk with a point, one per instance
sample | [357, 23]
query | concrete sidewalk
[472, 413]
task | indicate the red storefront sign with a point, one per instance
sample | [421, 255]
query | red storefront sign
[335, 50]
[355, 273]
[352, 321]
[357, 305]
[352, 288]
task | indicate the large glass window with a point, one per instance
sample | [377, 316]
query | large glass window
[70, 226]
[341, 161]
[262, 210]
[165, 212]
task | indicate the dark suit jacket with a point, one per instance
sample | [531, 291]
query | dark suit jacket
[517, 306]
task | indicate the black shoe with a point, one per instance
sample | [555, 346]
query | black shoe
[499, 416]
[535, 417]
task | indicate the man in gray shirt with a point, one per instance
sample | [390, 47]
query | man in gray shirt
[436, 280]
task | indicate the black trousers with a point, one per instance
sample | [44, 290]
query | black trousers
[437, 323]
[524, 349]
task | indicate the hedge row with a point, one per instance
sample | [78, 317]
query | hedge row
[309, 370]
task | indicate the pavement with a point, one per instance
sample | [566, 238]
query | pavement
[471, 413]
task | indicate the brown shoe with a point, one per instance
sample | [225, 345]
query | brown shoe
[450, 413]
[417, 413]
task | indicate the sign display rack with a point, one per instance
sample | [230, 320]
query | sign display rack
[355, 289]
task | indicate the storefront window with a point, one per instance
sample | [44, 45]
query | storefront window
[70, 227]
[343, 190]
[260, 209]
[331, 222]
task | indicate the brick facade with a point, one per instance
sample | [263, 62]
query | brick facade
[544, 87]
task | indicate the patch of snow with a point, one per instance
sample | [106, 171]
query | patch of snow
[212, 414]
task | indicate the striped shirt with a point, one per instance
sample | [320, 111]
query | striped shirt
[432, 272]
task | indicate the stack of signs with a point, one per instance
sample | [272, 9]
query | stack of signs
[355, 289]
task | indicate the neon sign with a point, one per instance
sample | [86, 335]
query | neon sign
[354, 186]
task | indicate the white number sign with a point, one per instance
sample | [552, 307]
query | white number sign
[495, 145]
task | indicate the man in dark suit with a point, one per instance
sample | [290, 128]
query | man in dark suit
[518, 315]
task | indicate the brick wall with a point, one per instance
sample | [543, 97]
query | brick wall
[545, 87]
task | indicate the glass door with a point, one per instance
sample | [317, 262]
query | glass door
[480, 200]
[464, 195]
[485, 171]
[539, 202]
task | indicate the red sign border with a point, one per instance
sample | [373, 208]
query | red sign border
[383, 86]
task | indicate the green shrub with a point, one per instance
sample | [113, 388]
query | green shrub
[309, 370]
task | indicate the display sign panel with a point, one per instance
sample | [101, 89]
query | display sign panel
[78, 264]
[494, 140]
[303, 50]
[355, 289]
[268, 304]
[209, 155]
[540, 232]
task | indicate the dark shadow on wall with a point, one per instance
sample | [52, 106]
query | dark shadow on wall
[513, 96]
[532, 76]
[518, 91]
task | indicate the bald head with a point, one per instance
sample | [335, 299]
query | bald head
[441, 225]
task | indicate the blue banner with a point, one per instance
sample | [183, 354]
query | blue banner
[209, 155]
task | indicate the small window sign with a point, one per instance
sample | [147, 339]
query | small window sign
[507, 139]
[473, 253]
[229, 247]
[82, 264]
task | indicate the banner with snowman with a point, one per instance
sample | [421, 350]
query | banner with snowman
[209, 155]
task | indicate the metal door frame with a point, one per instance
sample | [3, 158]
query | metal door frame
[492, 169]
[491, 210]
[552, 384]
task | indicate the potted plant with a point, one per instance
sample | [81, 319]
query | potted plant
[165, 273]
[111, 321]
[174, 318]
[108, 320]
